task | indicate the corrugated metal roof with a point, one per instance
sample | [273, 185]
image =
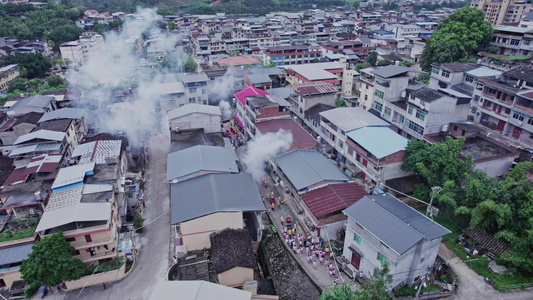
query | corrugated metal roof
[304, 168]
[186, 163]
[249, 91]
[333, 198]
[380, 141]
[213, 193]
[313, 88]
[259, 78]
[80, 212]
[392, 71]
[71, 175]
[41, 134]
[168, 88]
[393, 222]
[193, 77]
[316, 71]
[484, 72]
[35, 101]
[350, 118]
[193, 108]
[64, 113]
[97, 151]
[197, 290]
[15, 254]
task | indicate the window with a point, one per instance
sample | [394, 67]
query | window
[388, 111]
[377, 106]
[435, 70]
[515, 42]
[72, 239]
[410, 110]
[469, 79]
[379, 93]
[414, 127]
[366, 86]
[491, 91]
[357, 238]
[192, 100]
[88, 238]
[192, 90]
[445, 74]
[204, 91]
[420, 114]
[204, 102]
[381, 258]
[519, 117]
[171, 102]
[530, 121]
[341, 144]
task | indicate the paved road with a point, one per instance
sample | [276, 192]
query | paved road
[472, 286]
[154, 244]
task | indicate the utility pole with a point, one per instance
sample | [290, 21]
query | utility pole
[435, 189]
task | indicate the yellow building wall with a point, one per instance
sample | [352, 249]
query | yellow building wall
[10, 277]
[195, 233]
[236, 276]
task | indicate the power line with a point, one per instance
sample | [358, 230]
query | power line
[404, 194]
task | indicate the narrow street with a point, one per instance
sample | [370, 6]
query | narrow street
[153, 245]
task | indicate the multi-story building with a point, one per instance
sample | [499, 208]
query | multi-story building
[502, 12]
[8, 74]
[404, 30]
[80, 50]
[512, 40]
[290, 55]
[336, 73]
[448, 74]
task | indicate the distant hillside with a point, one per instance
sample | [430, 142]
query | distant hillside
[127, 6]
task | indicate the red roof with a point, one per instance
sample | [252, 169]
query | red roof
[238, 61]
[40, 164]
[332, 198]
[249, 91]
[301, 139]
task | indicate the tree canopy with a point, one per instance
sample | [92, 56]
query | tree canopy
[503, 208]
[190, 65]
[457, 37]
[50, 262]
[372, 58]
[32, 64]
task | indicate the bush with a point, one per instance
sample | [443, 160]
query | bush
[405, 291]
[138, 224]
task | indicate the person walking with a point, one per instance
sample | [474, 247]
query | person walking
[103, 284]
[279, 202]
[144, 204]
[282, 221]
[314, 264]
[273, 206]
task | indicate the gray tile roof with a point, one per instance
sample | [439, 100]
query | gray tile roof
[426, 94]
[304, 168]
[350, 118]
[64, 113]
[186, 163]
[393, 222]
[205, 195]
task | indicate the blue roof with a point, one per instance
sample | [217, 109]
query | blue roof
[380, 141]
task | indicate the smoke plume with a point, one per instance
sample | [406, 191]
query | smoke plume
[120, 85]
[263, 147]
[225, 108]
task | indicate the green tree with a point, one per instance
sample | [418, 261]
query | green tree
[190, 65]
[138, 223]
[338, 293]
[171, 26]
[405, 63]
[64, 33]
[18, 84]
[379, 287]
[340, 102]
[457, 37]
[361, 66]
[384, 62]
[372, 58]
[315, 60]
[164, 11]
[33, 64]
[51, 262]
[54, 81]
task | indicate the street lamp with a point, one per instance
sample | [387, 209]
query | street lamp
[435, 189]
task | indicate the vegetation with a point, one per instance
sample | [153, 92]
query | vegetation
[377, 289]
[53, 22]
[384, 62]
[405, 63]
[457, 37]
[190, 65]
[28, 224]
[433, 6]
[361, 66]
[50, 263]
[372, 58]
[259, 7]
[127, 6]
[340, 102]
[31, 65]
[110, 265]
[138, 223]
[503, 208]
[171, 26]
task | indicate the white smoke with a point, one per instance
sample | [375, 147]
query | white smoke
[223, 87]
[263, 147]
[225, 108]
[120, 68]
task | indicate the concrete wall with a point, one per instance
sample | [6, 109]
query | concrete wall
[96, 279]
[210, 123]
[394, 170]
[195, 233]
[10, 275]
[236, 277]
[495, 168]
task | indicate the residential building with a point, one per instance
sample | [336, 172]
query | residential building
[290, 55]
[502, 12]
[195, 85]
[301, 139]
[194, 116]
[403, 30]
[36, 143]
[381, 228]
[336, 73]
[361, 48]
[89, 43]
[512, 40]
[8, 74]
[87, 214]
[74, 117]
[39, 103]
[336, 123]
[206, 204]
[376, 152]
[12, 129]
[200, 160]
[309, 94]
[255, 105]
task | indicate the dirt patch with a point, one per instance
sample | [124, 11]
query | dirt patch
[290, 280]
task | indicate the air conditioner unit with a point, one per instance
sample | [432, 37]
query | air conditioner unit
[519, 123]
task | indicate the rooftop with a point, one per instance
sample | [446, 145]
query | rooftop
[459, 67]
[61, 125]
[214, 193]
[484, 72]
[301, 139]
[483, 148]
[247, 92]
[42, 134]
[522, 72]
[316, 71]
[64, 113]
[238, 61]
[71, 175]
[190, 108]
[350, 118]
[305, 168]
[35, 101]
[332, 198]
[232, 248]
[98, 151]
[40, 164]
[197, 290]
[426, 94]
[392, 71]
[259, 78]
[389, 142]
[393, 222]
[193, 77]
[314, 88]
[16, 254]
[199, 159]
